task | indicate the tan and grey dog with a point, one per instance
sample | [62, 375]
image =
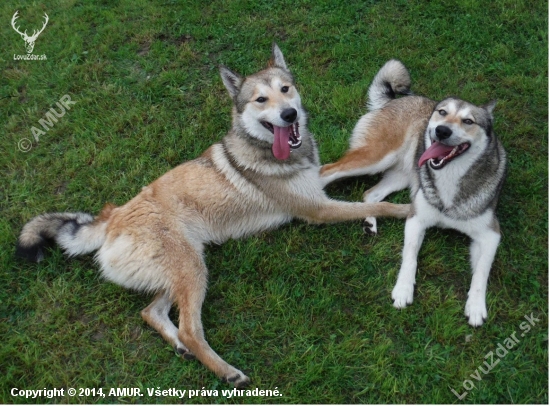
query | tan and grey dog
[264, 173]
[450, 158]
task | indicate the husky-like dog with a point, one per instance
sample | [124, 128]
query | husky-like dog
[264, 173]
[460, 168]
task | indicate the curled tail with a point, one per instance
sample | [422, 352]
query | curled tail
[76, 233]
[393, 78]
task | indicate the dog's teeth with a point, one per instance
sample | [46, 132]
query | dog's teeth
[437, 164]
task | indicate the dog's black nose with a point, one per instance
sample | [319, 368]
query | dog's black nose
[289, 115]
[443, 132]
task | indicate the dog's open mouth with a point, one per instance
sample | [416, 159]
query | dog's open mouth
[285, 138]
[440, 155]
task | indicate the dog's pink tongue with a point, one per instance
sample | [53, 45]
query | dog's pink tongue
[436, 150]
[281, 147]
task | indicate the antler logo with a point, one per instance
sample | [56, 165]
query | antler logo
[29, 40]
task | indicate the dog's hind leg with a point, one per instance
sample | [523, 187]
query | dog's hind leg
[189, 294]
[392, 181]
[356, 162]
[482, 254]
[156, 315]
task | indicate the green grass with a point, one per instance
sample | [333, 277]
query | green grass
[304, 309]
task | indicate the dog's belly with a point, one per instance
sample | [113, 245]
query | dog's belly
[246, 226]
[132, 265]
[150, 237]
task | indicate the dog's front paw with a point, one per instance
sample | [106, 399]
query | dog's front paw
[476, 311]
[369, 226]
[238, 380]
[402, 295]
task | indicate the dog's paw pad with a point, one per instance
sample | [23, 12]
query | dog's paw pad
[402, 295]
[185, 353]
[369, 226]
[239, 380]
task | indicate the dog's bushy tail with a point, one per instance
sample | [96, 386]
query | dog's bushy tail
[76, 233]
[392, 79]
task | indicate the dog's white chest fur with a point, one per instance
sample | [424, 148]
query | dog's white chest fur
[430, 216]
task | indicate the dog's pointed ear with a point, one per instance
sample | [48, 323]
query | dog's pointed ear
[231, 80]
[277, 58]
[490, 107]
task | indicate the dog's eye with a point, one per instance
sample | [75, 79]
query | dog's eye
[284, 89]
[467, 121]
[261, 99]
[442, 112]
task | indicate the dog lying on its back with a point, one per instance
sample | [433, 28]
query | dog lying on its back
[264, 173]
[448, 155]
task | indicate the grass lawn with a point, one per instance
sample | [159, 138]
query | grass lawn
[304, 309]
